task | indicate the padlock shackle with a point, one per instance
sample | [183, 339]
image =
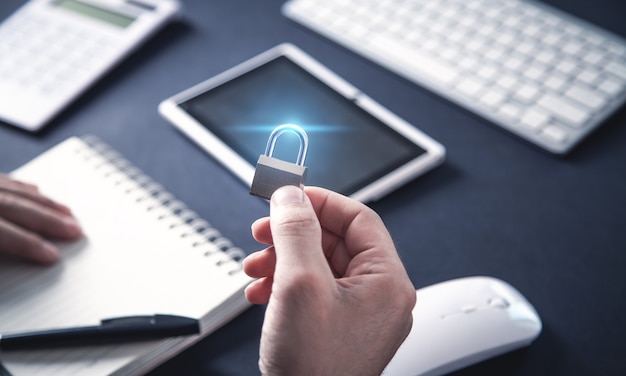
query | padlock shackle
[302, 136]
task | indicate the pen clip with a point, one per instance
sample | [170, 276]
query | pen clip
[130, 320]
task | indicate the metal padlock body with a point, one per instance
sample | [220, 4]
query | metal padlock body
[272, 173]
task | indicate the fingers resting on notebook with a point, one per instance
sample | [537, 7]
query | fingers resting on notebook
[339, 298]
[29, 221]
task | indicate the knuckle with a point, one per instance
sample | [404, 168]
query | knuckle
[28, 242]
[295, 224]
[18, 241]
[7, 200]
[403, 298]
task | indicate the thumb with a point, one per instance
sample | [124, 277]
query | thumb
[297, 235]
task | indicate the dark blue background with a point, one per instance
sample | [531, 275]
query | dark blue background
[553, 227]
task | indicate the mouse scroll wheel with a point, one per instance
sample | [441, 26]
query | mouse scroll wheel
[498, 303]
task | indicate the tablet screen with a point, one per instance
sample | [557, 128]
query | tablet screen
[348, 148]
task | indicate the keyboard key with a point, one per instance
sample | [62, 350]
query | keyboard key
[552, 39]
[567, 66]
[415, 62]
[617, 68]
[514, 63]
[488, 72]
[586, 97]
[573, 48]
[546, 57]
[470, 86]
[556, 82]
[611, 87]
[564, 110]
[555, 134]
[511, 111]
[535, 119]
[493, 98]
[508, 82]
[535, 72]
[589, 76]
[617, 49]
[527, 93]
[594, 57]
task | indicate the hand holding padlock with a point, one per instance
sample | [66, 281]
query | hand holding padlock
[272, 173]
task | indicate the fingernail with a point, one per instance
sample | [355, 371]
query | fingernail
[50, 252]
[288, 194]
[73, 228]
[63, 208]
[30, 186]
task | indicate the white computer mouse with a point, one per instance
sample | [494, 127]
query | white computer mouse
[461, 322]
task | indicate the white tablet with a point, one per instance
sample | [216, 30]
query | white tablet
[356, 146]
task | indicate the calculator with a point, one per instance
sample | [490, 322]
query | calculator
[51, 51]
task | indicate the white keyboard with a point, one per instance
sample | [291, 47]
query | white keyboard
[529, 68]
[53, 50]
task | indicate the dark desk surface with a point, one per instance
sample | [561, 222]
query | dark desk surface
[553, 227]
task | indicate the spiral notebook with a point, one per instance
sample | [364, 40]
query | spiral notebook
[143, 252]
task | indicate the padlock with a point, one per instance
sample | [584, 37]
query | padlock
[272, 173]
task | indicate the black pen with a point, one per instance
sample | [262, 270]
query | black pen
[115, 330]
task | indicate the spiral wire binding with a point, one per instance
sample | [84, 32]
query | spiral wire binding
[197, 230]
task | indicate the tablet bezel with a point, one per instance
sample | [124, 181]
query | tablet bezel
[171, 110]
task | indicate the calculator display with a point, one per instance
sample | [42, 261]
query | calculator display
[105, 15]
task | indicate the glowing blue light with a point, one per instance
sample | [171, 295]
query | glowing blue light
[309, 128]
